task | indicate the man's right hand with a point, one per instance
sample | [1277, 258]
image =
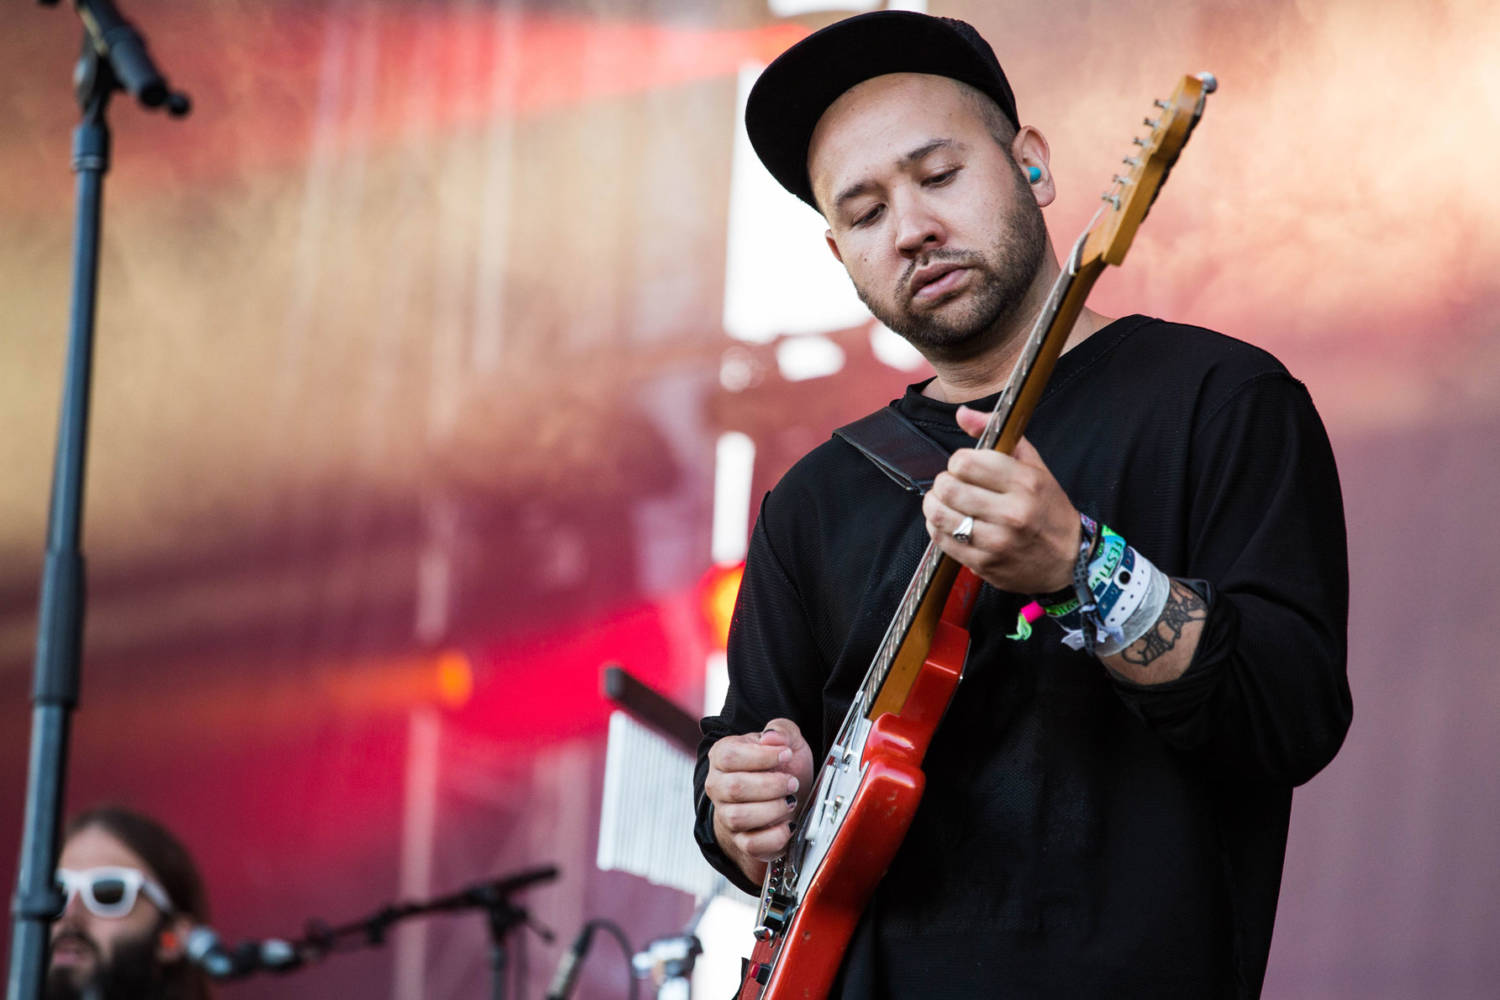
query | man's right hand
[757, 783]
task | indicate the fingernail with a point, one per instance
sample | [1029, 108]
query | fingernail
[791, 801]
[784, 756]
[791, 784]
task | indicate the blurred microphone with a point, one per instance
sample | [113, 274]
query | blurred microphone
[571, 964]
[278, 955]
[207, 951]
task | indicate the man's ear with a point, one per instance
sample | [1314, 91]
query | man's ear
[171, 942]
[1029, 149]
[832, 246]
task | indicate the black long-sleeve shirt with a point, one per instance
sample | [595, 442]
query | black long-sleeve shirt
[1080, 835]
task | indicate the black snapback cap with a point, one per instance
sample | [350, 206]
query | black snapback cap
[791, 95]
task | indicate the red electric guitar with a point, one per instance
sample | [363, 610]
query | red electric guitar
[867, 791]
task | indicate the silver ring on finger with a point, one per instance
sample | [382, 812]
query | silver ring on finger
[964, 533]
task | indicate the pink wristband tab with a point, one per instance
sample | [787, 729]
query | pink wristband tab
[1029, 615]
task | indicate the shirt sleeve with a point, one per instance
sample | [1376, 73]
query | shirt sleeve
[1267, 692]
[775, 671]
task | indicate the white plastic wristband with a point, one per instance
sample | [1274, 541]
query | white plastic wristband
[1143, 592]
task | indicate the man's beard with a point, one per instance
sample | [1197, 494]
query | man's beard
[1004, 275]
[132, 973]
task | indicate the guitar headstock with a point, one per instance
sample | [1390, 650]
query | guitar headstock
[1130, 194]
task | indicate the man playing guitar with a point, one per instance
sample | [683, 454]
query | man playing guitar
[1107, 797]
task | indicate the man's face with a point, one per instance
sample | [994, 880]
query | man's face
[104, 956]
[928, 213]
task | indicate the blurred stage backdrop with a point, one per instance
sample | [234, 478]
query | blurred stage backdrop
[445, 349]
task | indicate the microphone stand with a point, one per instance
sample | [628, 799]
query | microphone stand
[114, 58]
[502, 916]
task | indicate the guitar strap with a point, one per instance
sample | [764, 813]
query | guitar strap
[898, 447]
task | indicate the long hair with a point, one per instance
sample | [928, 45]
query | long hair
[173, 867]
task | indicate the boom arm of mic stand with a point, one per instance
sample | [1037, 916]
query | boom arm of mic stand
[321, 939]
[492, 896]
[490, 892]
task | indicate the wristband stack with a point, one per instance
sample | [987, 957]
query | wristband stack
[1116, 597]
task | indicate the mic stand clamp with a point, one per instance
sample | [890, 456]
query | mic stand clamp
[668, 963]
[502, 917]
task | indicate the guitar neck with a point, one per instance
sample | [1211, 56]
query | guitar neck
[910, 635]
[1010, 426]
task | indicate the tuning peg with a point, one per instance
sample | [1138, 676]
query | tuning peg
[1151, 122]
[1209, 81]
[1132, 161]
[1138, 140]
[1163, 105]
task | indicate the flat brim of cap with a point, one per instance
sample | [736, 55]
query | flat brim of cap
[791, 95]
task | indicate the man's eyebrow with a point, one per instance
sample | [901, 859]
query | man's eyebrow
[927, 149]
[914, 156]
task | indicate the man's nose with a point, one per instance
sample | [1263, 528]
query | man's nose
[73, 909]
[918, 228]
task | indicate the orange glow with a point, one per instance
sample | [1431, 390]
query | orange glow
[721, 587]
[455, 679]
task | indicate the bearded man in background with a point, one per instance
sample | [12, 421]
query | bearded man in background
[133, 893]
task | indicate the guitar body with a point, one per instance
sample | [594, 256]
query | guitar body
[825, 918]
[802, 961]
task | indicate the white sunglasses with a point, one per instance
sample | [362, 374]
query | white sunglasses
[111, 892]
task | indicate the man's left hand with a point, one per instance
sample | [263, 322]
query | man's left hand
[1026, 531]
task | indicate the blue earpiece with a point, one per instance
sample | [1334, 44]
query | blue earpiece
[1034, 174]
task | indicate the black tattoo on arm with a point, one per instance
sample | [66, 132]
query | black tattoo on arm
[1183, 607]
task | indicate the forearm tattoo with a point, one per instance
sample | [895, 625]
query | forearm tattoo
[1183, 607]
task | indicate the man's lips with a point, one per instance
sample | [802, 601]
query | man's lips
[71, 954]
[72, 950]
[933, 283]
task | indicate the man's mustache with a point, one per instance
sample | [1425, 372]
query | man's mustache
[69, 936]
